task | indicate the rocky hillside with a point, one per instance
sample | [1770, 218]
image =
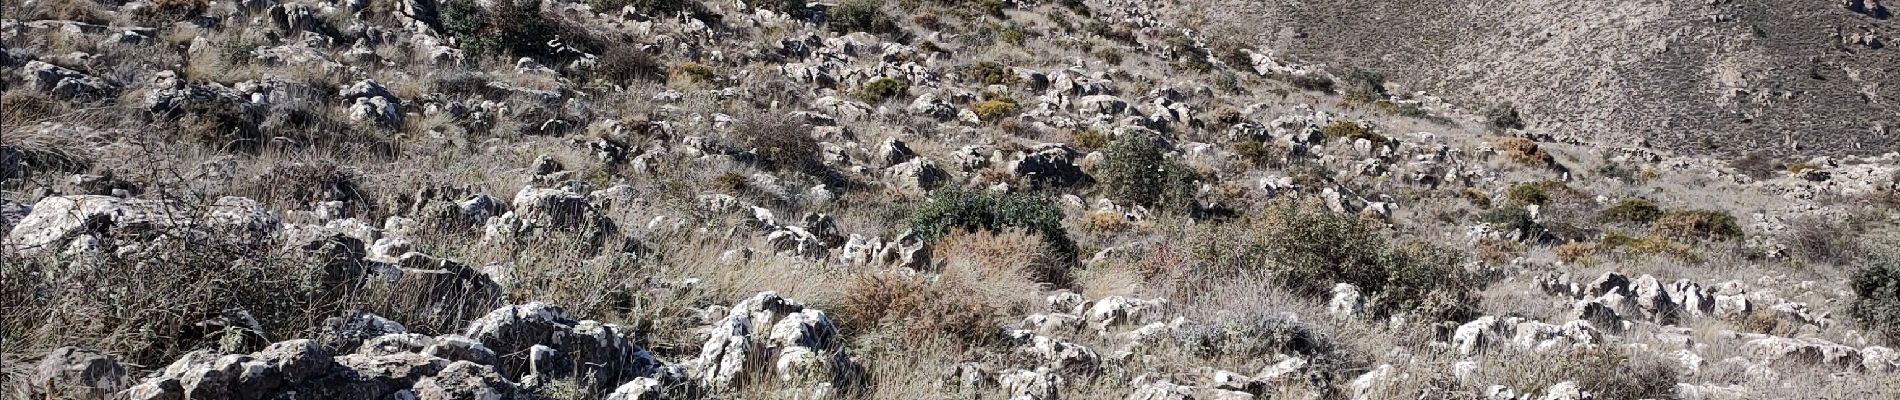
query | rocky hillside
[1715, 77]
[672, 199]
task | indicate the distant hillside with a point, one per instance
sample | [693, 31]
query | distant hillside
[1727, 77]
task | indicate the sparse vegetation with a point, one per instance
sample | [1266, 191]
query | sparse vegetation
[1524, 151]
[1697, 224]
[921, 199]
[689, 74]
[623, 65]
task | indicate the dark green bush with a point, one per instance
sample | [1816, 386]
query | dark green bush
[655, 8]
[983, 211]
[515, 28]
[881, 89]
[1528, 194]
[860, 16]
[1512, 219]
[1364, 86]
[1633, 210]
[991, 73]
[1876, 305]
[1503, 116]
[1312, 83]
[1135, 171]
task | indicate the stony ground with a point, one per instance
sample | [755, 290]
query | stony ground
[1711, 77]
[656, 199]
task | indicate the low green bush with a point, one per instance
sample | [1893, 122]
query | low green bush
[1697, 224]
[860, 16]
[881, 89]
[995, 212]
[1876, 287]
[1632, 210]
[1136, 171]
[994, 109]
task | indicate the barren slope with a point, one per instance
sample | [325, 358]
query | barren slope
[1691, 76]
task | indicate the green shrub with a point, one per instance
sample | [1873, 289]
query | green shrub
[991, 73]
[1309, 250]
[1254, 150]
[1503, 116]
[1512, 219]
[860, 16]
[1697, 224]
[1876, 306]
[1089, 139]
[983, 211]
[1312, 83]
[511, 28]
[1135, 171]
[655, 8]
[883, 88]
[1351, 130]
[1634, 210]
[994, 109]
[1189, 55]
[1528, 194]
[1364, 86]
[1013, 34]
